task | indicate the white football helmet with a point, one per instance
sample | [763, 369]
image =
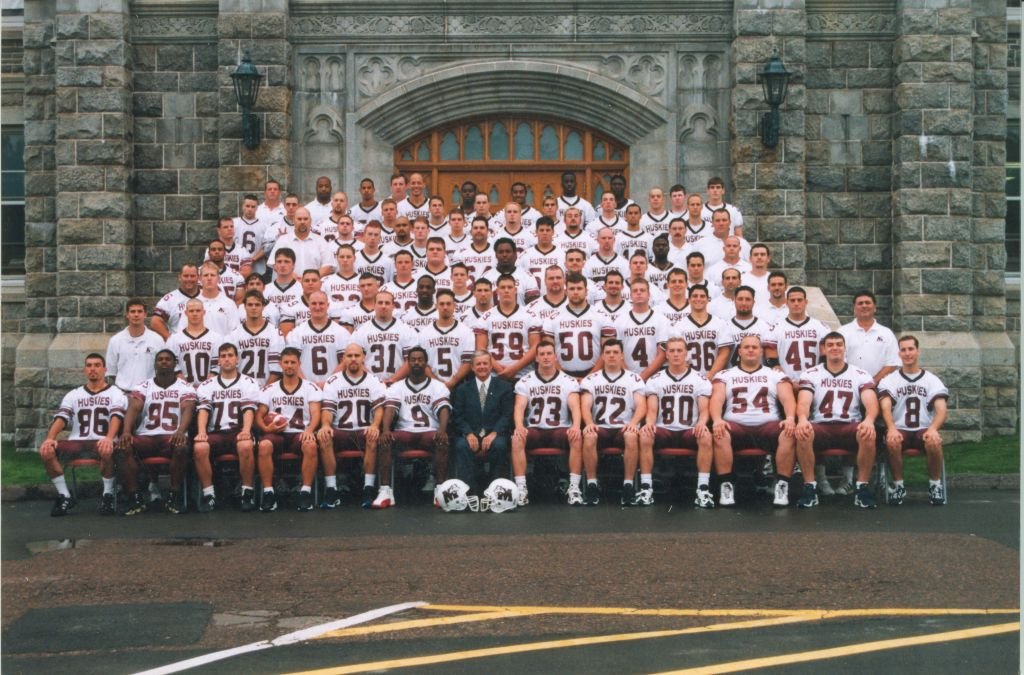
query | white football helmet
[453, 495]
[501, 495]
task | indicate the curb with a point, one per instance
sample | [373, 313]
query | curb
[88, 489]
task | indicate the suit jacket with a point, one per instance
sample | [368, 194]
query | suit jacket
[497, 413]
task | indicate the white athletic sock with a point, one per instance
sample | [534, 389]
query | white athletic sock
[370, 480]
[574, 480]
[306, 488]
[208, 491]
[108, 486]
[268, 490]
[645, 479]
[703, 478]
[934, 483]
[521, 481]
[62, 486]
[626, 482]
[899, 483]
[812, 483]
[331, 481]
[246, 487]
[861, 484]
[591, 481]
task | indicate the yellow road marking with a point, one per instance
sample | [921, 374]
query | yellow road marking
[554, 644]
[425, 623]
[635, 611]
[848, 650]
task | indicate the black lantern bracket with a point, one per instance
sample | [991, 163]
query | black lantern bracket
[774, 80]
[246, 80]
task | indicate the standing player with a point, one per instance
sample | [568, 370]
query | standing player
[195, 346]
[914, 409]
[162, 408]
[271, 209]
[554, 298]
[547, 413]
[527, 288]
[416, 204]
[424, 312]
[368, 208]
[319, 342]
[449, 343]
[578, 331]
[676, 306]
[569, 199]
[231, 282]
[605, 259]
[170, 309]
[320, 206]
[543, 255]
[456, 239]
[574, 237]
[94, 413]
[677, 416]
[705, 335]
[508, 332]
[512, 228]
[236, 256]
[250, 229]
[677, 201]
[386, 341]
[285, 286]
[655, 221]
[773, 307]
[342, 287]
[613, 305]
[744, 323]
[130, 352]
[311, 250]
[296, 403]
[221, 311]
[436, 267]
[417, 408]
[371, 258]
[747, 404]
[438, 222]
[350, 418]
[607, 216]
[793, 343]
[227, 405]
[716, 202]
[833, 394]
[356, 315]
[478, 257]
[328, 226]
[462, 291]
[613, 407]
[643, 332]
[632, 237]
[402, 286]
[259, 343]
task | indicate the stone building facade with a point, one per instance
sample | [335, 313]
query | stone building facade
[889, 173]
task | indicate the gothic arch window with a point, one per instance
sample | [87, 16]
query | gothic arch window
[496, 152]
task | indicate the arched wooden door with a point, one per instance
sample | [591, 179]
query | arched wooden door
[496, 152]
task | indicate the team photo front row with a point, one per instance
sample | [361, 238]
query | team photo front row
[497, 420]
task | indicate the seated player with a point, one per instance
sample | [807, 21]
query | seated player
[751, 406]
[417, 408]
[547, 414]
[913, 402]
[677, 415]
[227, 404]
[295, 403]
[829, 405]
[94, 412]
[350, 417]
[161, 408]
[613, 407]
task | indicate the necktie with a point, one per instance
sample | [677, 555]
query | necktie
[483, 394]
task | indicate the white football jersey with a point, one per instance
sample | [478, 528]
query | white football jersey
[627, 243]
[477, 262]
[454, 247]
[442, 278]
[378, 265]
[361, 215]
[294, 405]
[318, 211]
[386, 346]
[672, 313]
[230, 282]
[226, 402]
[715, 271]
[836, 395]
[642, 337]
[417, 406]
[197, 354]
[270, 312]
[413, 211]
[250, 235]
[527, 289]
[735, 216]
[655, 225]
[341, 291]
[770, 313]
[736, 330]
[599, 222]
[524, 238]
[547, 401]
[259, 353]
[87, 414]
[544, 309]
[404, 294]
[597, 268]
[702, 340]
[913, 397]
[356, 315]
[447, 348]
[527, 217]
[678, 398]
[282, 295]
[723, 307]
[751, 398]
[566, 242]
[508, 335]
[586, 208]
[535, 262]
[463, 306]
[171, 308]
[297, 311]
[161, 407]
[797, 344]
[695, 234]
[613, 403]
[578, 337]
[613, 313]
[352, 403]
[419, 319]
[322, 349]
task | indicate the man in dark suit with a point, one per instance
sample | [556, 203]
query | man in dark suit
[482, 415]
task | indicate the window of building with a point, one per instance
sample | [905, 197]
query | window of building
[494, 153]
[12, 200]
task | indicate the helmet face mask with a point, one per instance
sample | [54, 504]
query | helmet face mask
[501, 495]
[453, 495]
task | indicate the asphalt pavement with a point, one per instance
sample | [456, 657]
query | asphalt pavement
[547, 588]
